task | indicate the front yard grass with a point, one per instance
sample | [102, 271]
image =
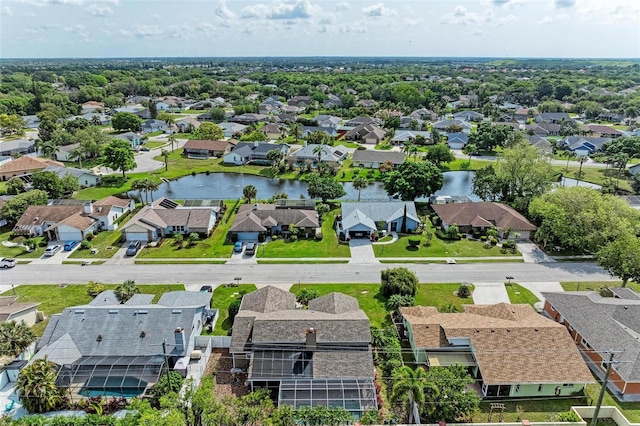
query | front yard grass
[107, 243]
[328, 246]
[222, 298]
[519, 294]
[215, 246]
[438, 248]
[596, 285]
[18, 252]
[442, 296]
[53, 299]
[155, 144]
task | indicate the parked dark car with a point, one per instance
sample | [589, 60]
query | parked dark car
[133, 248]
[250, 250]
[206, 289]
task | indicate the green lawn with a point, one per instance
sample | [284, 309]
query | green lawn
[222, 298]
[519, 294]
[107, 243]
[438, 248]
[18, 252]
[215, 246]
[440, 295]
[53, 299]
[155, 144]
[327, 247]
[597, 175]
[595, 285]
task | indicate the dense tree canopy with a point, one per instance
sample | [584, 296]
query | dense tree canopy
[621, 257]
[126, 121]
[14, 207]
[118, 155]
[325, 188]
[412, 180]
[209, 131]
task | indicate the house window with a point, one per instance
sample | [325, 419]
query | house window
[585, 343]
[179, 228]
[539, 388]
[518, 388]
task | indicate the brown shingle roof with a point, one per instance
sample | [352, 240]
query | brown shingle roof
[9, 306]
[112, 201]
[378, 156]
[77, 220]
[463, 214]
[37, 215]
[27, 164]
[207, 145]
[511, 343]
[255, 217]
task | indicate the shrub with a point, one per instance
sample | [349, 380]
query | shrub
[233, 309]
[463, 236]
[568, 416]
[95, 288]
[397, 301]
[89, 236]
[414, 242]
[361, 148]
[323, 209]
[305, 295]
[398, 281]
[293, 238]
[167, 383]
[487, 245]
[20, 239]
[85, 245]
[483, 238]
[464, 291]
[275, 238]
[509, 244]
[453, 232]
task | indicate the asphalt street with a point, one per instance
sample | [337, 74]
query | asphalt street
[303, 273]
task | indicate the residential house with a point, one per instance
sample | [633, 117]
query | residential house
[86, 178]
[410, 123]
[254, 222]
[634, 169]
[253, 153]
[324, 120]
[133, 138]
[468, 116]
[31, 121]
[306, 357]
[165, 217]
[369, 159]
[553, 117]
[205, 116]
[169, 103]
[326, 154]
[113, 349]
[92, 107]
[583, 146]
[457, 140]
[367, 103]
[332, 101]
[541, 143]
[537, 130]
[249, 118]
[72, 220]
[272, 131]
[300, 101]
[443, 125]
[598, 325]
[482, 216]
[511, 350]
[203, 149]
[151, 125]
[329, 131]
[25, 165]
[187, 124]
[99, 119]
[232, 130]
[614, 117]
[363, 219]
[401, 137]
[424, 114]
[601, 131]
[18, 146]
[522, 114]
[143, 113]
[366, 133]
[359, 121]
[12, 310]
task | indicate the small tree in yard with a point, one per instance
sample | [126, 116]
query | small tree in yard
[126, 290]
[179, 239]
[464, 291]
[233, 309]
[397, 301]
[193, 239]
[621, 258]
[453, 232]
[37, 386]
[305, 295]
[400, 281]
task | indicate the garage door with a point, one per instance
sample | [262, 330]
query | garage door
[248, 236]
[70, 235]
[137, 236]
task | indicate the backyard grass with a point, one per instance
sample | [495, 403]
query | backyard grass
[215, 246]
[597, 175]
[328, 246]
[519, 294]
[438, 248]
[222, 298]
[107, 243]
[53, 299]
[19, 252]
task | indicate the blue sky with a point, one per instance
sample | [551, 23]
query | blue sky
[493, 28]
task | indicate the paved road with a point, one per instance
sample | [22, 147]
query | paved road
[308, 273]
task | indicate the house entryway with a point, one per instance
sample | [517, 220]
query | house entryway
[362, 251]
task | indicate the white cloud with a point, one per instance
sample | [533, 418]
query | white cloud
[343, 6]
[52, 2]
[561, 4]
[478, 33]
[507, 3]
[546, 20]
[224, 12]
[409, 22]
[377, 10]
[461, 16]
[6, 11]
[100, 10]
[298, 9]
[355, 27]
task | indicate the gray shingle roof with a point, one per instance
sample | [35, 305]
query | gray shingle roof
[268, 299]
[381, 211]
[255, 217]
[605, 323]
[378, 156]
[334, 303]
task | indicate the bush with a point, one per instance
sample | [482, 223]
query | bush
[397, 301]
[19, 239]
[95, 288]
[168, 383]
[305, 295]
[483, 238]
[361, 148]
[323, 209]
[463, 236]
[293, 238]
[464, 291]
[233, 309]
[275, 238]
[493, 241]
[487, 245]
[509, 244]
[568, 416]
[85, 245]
[400, 281]
[414, 242]
[89, 236]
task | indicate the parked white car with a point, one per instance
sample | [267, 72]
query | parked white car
[7, 263]
[50, 251]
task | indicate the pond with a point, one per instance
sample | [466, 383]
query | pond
[228, 186]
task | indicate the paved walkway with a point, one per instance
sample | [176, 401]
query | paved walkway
[394, 238]
[531, 253]
[362, 251]
[490, 293]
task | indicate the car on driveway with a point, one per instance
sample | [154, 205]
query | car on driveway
[206, 289]
[238, 246]
[133, 248]
[7, 263]
[51, 250]
[69, 245]
[251, 249]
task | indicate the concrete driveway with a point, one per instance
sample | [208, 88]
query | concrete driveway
[531, 253]
[362, 251]
[490, 293]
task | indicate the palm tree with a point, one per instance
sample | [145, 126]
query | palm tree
[570, 155]
[49, 149]
[249, 192]
[77, 153]
[165, 154]
[15, 337]
[360, 183]
[581, 159]
[295, 129]
[469, 150]
[152, 184]
[126, 290]
[37, 386]
[319, 150]
[140, 186]
[172, 139]
[409, 387]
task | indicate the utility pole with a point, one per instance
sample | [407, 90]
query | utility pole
[166, 362]
[594, 418]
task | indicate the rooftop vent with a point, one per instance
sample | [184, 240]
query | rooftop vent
[143, 333]
[79, 311]
[176, 311]
[99, 338]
